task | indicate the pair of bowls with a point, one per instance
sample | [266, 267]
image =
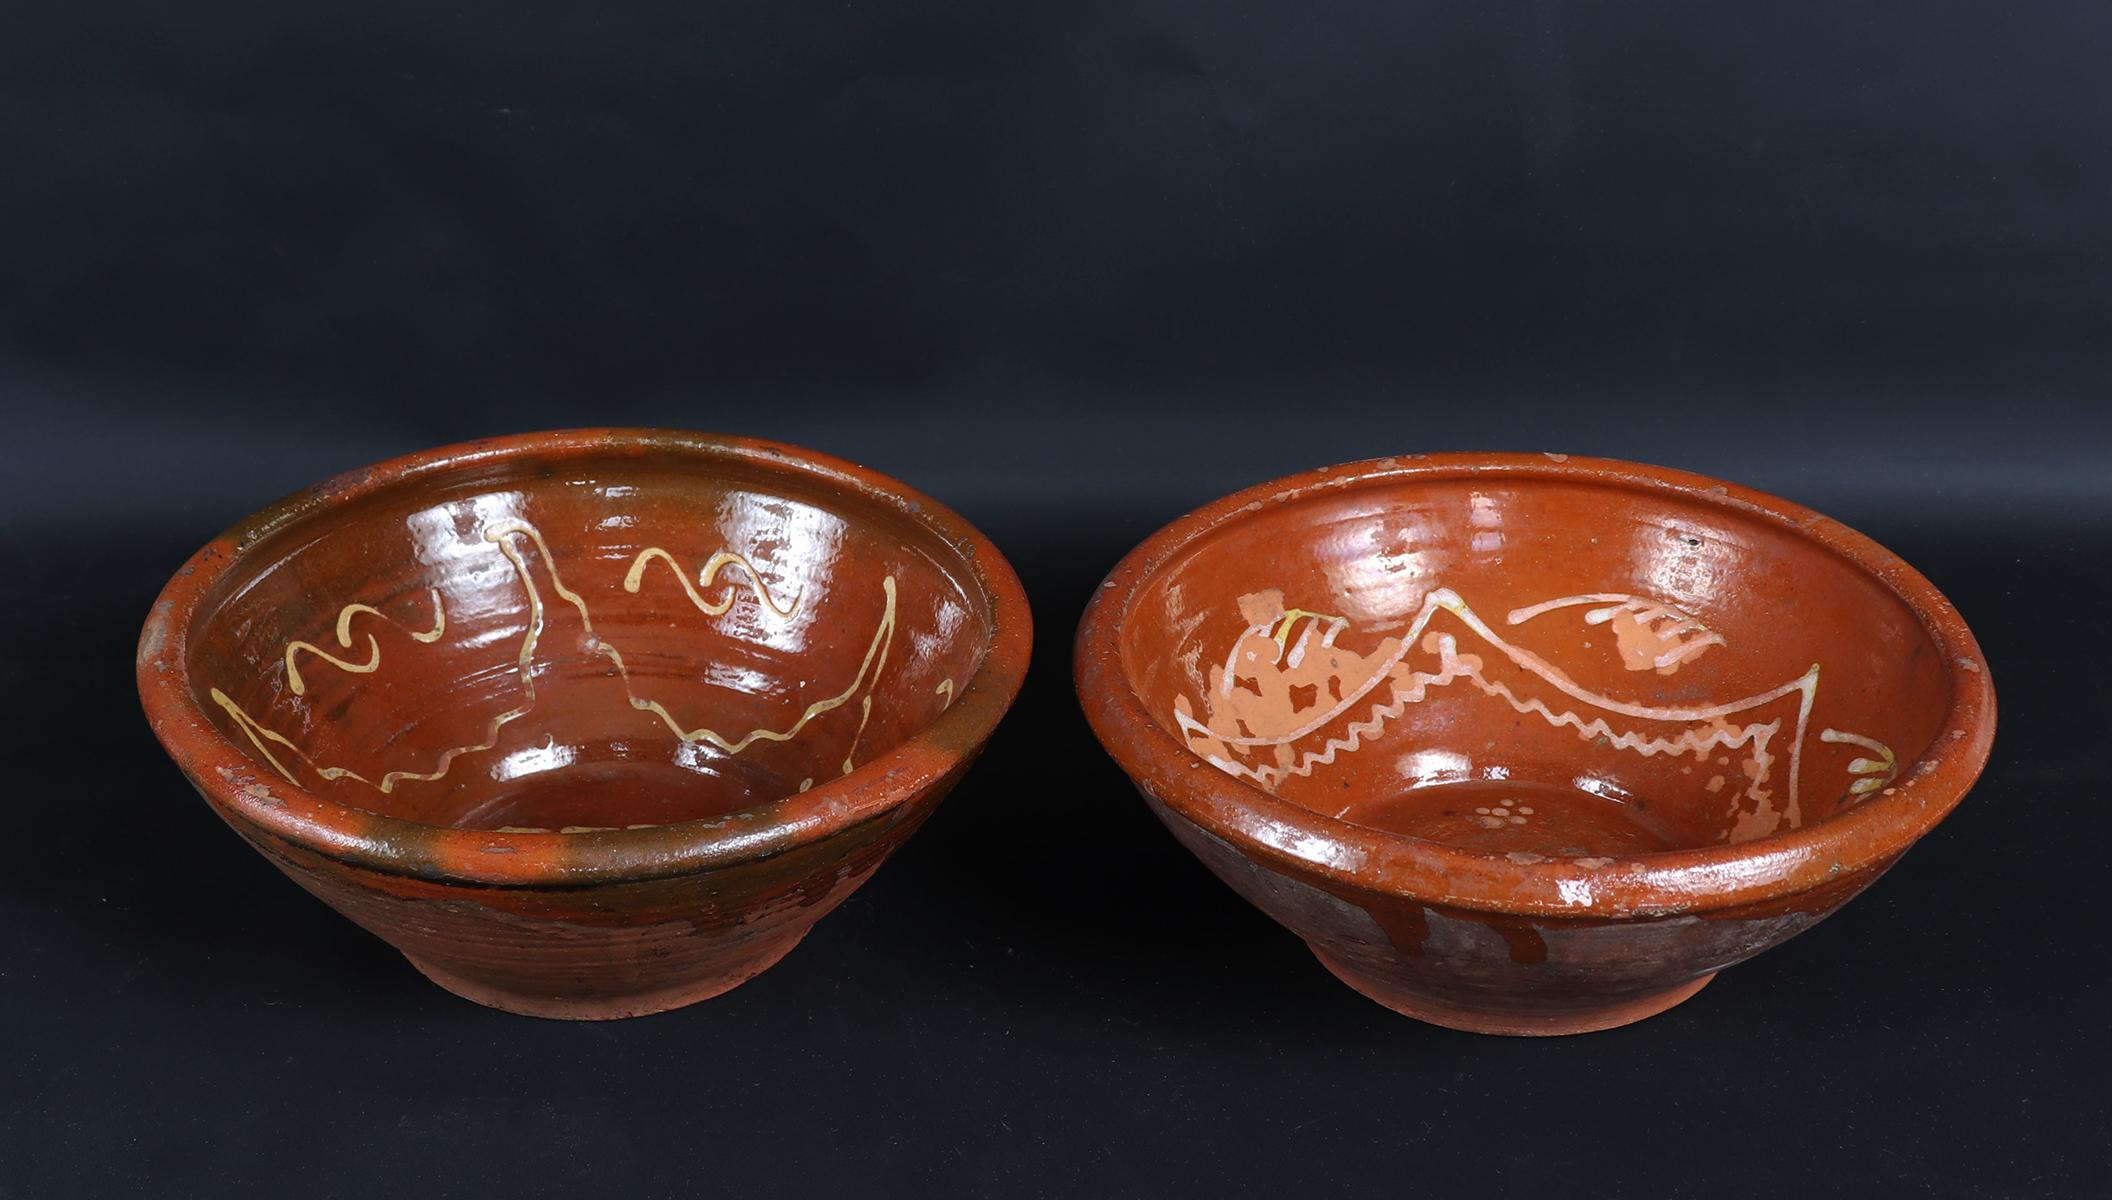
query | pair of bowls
[598, 723]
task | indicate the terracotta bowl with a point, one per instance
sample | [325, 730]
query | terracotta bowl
[1533, 744]
[587, 724]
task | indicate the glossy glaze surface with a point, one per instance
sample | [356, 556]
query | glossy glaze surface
[1527, 743]
[589, 723]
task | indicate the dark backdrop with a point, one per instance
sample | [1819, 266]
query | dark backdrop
[1074, 268]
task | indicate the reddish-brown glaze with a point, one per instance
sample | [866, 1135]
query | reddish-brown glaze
[1531, 743]
[593, 723]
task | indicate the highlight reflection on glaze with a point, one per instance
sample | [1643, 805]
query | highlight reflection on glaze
[503, 537]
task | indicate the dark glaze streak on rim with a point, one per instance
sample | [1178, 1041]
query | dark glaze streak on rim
[256, 798]
[1860, 839]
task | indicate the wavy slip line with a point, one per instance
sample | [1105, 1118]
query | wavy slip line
[1756, 735]
[293, 669]
[251, 727]
[706, 578]
[258, 734]
[1648, 747]
[1447, 599]
[344, 639]
[883, 636]
[254, 730]
[1453, 668]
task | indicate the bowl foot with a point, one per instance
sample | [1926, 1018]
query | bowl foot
[602, 1008]
[1584, 1019]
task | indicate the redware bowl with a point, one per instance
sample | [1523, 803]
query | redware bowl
[587, 724]
[1533, 744]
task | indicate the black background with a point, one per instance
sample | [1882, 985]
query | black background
[1074, 268]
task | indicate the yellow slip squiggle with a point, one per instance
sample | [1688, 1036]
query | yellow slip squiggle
[257, 733]
[344, 639]
[883, 636]
[706, 578]
[264, 738]
[293, 668]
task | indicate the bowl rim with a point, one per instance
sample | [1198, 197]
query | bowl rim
[254, 798]
[1299, 840]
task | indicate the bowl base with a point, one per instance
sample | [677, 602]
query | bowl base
[602, 1008]
[1511, 1024]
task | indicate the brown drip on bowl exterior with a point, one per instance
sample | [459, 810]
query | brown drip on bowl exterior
[592, 723]
[1532, 744]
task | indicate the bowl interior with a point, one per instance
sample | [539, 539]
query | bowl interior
[1535, 665]
[601, 640]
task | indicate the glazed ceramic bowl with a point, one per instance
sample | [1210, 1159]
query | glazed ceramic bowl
[586, 724]
[1533, 744]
